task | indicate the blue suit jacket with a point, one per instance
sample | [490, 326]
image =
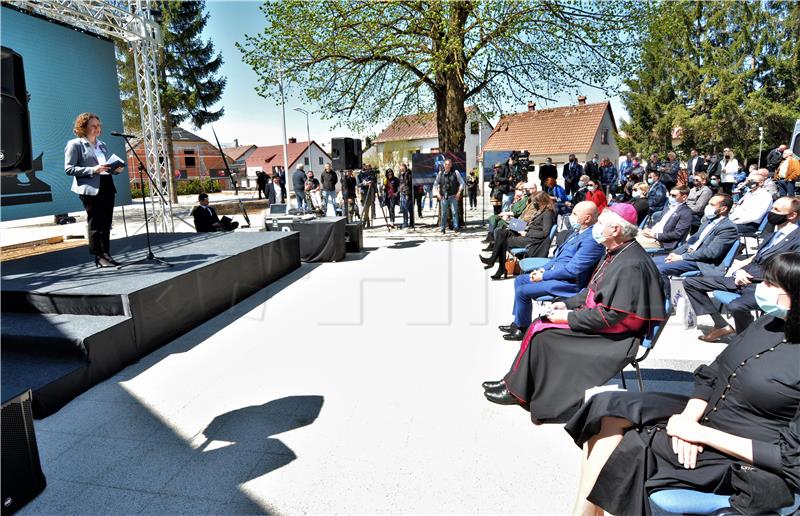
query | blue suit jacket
[676, 227]
[574, 262]
[79, 162]
[713, 248]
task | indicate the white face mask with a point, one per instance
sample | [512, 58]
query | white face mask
[710, 212]
[573, 221]
[597, 233]
[636, 194]
[592, 188]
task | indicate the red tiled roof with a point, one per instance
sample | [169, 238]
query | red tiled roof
[412, 127]
[237, 152]
[561, 130]
[272, 156]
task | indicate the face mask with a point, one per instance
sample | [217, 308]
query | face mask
[714, 182]
[597, 233]
[573, 222]
[672, 201]
[776, 219]
[594, 160]
[767, 299]
[710, 212]
[581, 184]
[649, 181]
[592, 188]
[636, 194]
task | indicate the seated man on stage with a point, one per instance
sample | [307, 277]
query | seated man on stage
[206, 219]
[705, 250]
[564, 275]
[673, 226]
[586, 340]
[786, 238]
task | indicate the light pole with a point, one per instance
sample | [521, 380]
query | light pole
[308, 134]
[286, 175]
[760, 144]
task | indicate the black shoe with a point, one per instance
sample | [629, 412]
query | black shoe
[112, 261]
[489, 248]
[443, 231]
[493, 385]
[501, 397]
[101, 261]
[486, 241]
[508, 328]
[500, 274]
[517, 334]
[486, 261]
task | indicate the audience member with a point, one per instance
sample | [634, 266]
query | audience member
[625, 167]
[536, 234]
[206, 219]
[592, 168]
[299, 186]
[775, 157]
[449, 187]
[752, 207]
[405, 190]
[745, 408]
[699, 196]
[713, 167]
[328, 180]
[547, 171]
[261, 183]
[729, 166]
[572, 173]
[312, 189]
[673, 226]
[788, 172]
[521, 209]
[696, 163]
[639, 201]
[579, 195]
[595, 194]
[705, 251]
[558, 194]
[501, 185]
[786, 238]
[584, 341]
[472, 189]
[713, 184]
[656, 194]
[566, 274]
[609, 177]
[391, 194]
[669, 171]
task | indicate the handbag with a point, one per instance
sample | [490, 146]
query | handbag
[756, 491]
[512, 265]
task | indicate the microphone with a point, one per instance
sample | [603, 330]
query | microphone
[117, 133]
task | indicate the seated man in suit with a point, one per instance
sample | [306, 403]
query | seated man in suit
[673, 226]
[786, 238]
[564, 275]
[275, 191]
[750, 209]
[705, 250]
[206, 219]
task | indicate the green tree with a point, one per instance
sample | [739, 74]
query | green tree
[363, 62]
[718, 70]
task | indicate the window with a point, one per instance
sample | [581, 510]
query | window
[321, 161]
[604, 136]
[306, 161]
[474, 127]
[190, 163]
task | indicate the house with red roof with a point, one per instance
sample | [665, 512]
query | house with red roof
[410, 134]
[581, 129]
[270, 159]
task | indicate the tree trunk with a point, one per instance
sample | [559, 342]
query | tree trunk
[452, 119]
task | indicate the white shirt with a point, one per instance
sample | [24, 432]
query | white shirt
[729, 169]
[101, 158]
[752, 207]
[708, 229]
[661, 224]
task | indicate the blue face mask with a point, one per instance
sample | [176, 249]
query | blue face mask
[597, 233]
[573, 222]
[672, 201]
[710, 212]
[714, 182]
[767, 299]
[649, 181]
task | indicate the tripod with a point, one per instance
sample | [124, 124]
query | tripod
[150, 256]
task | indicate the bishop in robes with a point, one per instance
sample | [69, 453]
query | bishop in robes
[586, 340]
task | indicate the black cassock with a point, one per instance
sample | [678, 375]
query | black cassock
[557, 363]
[752, 390]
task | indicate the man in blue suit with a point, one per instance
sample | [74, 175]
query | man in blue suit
[706, 249]
[674, 225]
[565, 275]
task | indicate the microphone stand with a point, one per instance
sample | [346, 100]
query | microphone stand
[150, 256]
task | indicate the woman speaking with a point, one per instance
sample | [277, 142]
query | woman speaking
[85, 159]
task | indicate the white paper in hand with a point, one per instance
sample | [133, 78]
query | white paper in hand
[114, 162]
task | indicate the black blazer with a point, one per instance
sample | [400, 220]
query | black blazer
[676, 228]
[203, 220]
[712, 249]
[538, 233]
[790, 243]
[271, 193]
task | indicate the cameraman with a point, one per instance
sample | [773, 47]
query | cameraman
[501, 186]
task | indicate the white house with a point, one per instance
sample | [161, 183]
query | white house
[410, 134]
[269, 159]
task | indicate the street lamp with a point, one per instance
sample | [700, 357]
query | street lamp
[760, 144]
[308, 133]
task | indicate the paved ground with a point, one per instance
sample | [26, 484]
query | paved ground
[349, 387]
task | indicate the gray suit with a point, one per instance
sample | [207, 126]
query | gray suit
[712, 250]
[79, 162]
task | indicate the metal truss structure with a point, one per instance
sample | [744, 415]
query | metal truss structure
[131, 21]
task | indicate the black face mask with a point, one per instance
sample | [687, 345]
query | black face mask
[776, 219]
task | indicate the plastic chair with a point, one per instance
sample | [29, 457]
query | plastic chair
[758, 233]
[517, 251]
[531, 264]
[726, 262]
[648, 343]
[644, 222]
[687, 501]
[725, 297]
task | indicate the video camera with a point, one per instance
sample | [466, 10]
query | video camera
[523, 159]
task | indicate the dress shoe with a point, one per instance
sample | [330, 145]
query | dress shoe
[489, 248]
[493, 385]
[501, 397]
[517, 334]
[101, 261]
[716, 334]
[500, 274]
[507, 328]
[111, 260]
[486, 241]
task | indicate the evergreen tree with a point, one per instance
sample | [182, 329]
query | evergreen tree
[718, 70]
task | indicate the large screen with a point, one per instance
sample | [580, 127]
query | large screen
[66, 72]
[425, 166]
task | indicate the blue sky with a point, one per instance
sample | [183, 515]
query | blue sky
[255, 120]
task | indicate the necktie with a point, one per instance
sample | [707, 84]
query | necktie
[774, 240]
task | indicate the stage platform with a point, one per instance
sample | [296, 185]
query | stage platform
[67, 325]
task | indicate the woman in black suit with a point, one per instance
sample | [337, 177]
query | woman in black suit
[745, 409]
[639, 201]
[84, 159]
[536, 234]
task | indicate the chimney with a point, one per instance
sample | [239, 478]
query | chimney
[531, 106]
[581, 100]
[292, 140]
[236, 142]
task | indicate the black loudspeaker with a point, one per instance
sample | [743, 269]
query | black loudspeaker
[354, 237]
[22, 473]
[14, 119]
[345, 153]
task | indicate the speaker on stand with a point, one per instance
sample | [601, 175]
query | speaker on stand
[22, 477]
[345, 153]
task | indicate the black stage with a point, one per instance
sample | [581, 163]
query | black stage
[321, 240]
[67, 325]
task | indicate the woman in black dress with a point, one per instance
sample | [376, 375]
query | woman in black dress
[745, 408]
[536, 233]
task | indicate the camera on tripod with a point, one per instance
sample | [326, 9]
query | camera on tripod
[522, 158]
